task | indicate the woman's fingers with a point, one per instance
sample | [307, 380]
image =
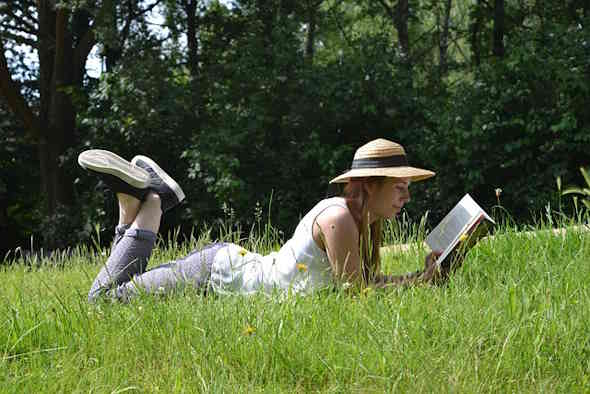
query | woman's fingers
[431, 269]
[431, 259]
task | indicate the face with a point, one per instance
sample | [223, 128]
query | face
[387, 198]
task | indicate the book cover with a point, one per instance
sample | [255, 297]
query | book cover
[458, 231]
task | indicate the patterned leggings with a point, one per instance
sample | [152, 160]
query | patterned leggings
[124, 275]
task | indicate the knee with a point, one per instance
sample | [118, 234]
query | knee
[153, 201]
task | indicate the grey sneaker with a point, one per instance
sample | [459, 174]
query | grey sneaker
[161, 183]
[117, 173]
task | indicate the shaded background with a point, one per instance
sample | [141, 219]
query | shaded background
[259, 103]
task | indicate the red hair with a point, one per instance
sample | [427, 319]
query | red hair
[355, 194]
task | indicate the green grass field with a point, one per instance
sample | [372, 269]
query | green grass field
[514, 318]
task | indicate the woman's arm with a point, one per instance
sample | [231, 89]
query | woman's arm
[430, 273]
[383, 280]
[336, 233]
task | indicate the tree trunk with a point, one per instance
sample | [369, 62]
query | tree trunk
[401, 15]
[52, 125]
[17, 104]
[268, 12]
[57, 112]
[499, 23]
[112, 48]
[192, 26]
[475, 30]
[56, 187]
[444, 40]
[310, 39]
[190, 8]
[45, 48]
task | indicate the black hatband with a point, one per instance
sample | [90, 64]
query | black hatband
[380, 162]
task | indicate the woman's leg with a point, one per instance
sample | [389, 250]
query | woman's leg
[194, 270]
[143, 191]
[128, 210]
[131, 252]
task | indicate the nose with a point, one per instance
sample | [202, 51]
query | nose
[406, 196]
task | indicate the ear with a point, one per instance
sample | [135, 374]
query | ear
[370, 188]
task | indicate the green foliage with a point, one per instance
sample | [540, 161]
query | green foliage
[247, 113]
[18, 176]
[584, 191]
[139, 108]
[519, 122]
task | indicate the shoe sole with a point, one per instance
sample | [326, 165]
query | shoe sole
[106, 162]
[172, 184]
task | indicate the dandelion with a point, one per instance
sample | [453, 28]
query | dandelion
[463, 237]
[243, 252]
[498, 192]
[249, 330]
[301, 267]
[367, 290]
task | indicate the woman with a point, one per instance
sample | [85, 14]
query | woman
[337, 240]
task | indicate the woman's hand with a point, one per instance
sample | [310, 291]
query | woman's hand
[432, 271]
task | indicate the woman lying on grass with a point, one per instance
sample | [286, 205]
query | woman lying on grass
[338, 240]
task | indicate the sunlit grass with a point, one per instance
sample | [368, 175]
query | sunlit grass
[515, 318]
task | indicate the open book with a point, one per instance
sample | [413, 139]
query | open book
[463, 226]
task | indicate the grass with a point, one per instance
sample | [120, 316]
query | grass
[515, 318]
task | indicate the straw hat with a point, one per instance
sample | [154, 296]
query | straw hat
[381, 157]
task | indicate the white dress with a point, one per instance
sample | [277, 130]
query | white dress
[299, 266]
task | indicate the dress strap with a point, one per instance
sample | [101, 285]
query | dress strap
[333, 202]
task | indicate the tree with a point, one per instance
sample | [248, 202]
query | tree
[476, 28]
[499, 26]
[62, 35]
[444, 39]
[311, 8]
[400, 14]
[62, 56]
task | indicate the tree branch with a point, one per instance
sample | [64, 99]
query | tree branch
[127, 27]
[59, 58]
[21, 25]
[455, 40]
[24, 6]
[147, 9]
[10, 91]
[83, 49]
[133, 16]
[340, 27]
[486, 4]
[418, 56]
[19, 39]
[388, 8]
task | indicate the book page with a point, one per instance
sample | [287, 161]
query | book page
[463, 217]
[453, 225]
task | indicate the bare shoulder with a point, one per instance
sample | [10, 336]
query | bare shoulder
[336, 215]
[335, 231]
[335, 225]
